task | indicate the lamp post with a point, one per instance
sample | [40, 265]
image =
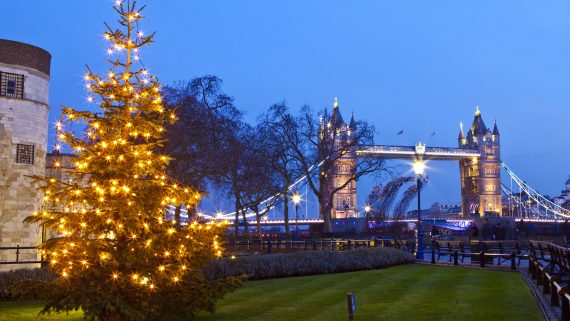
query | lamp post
[296, 200]
[419, 167]
[367, 209]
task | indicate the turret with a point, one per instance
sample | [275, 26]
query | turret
[461, 139]
[496, 134]
[478, 127]
[352, 125]
[336, 118]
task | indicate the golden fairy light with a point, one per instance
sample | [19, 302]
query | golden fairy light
[106, 211]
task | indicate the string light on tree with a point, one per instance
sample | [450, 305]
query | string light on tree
[111, 215]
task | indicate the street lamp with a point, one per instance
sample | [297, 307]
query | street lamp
[296, 198]
[419, 167]
[367, 209]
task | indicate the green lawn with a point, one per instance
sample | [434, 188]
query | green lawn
[411, 292]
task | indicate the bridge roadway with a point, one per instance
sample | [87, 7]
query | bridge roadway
[456, 222]
[413, 152]
[320, 221]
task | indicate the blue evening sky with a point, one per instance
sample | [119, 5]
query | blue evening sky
[420, 66]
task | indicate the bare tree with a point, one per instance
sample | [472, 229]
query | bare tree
[235, 182]
[322, 141]
[278, 130]
[262, 178]
[203, 137]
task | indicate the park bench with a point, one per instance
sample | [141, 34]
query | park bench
[541, 252]
[502, 250]
[477, 247]
[560, 261]
[501, 247]
[447, 248]
[551, 280]
[557, 239]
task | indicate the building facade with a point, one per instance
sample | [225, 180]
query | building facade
[342, 169]
[480, 177]
[445, 209]
[24, 88]
[564, 198]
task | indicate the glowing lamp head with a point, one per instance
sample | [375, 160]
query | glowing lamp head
[419, 167]
[296, 198]
[367, 208]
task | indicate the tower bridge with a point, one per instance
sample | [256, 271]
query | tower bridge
[478, 154]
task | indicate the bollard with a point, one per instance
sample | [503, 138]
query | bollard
[268, 247]
[513, 261]
[18, 253]
[455, 260]
[482, 259]
[314, 245]
[306, 244]
[432, 256]
[351, 300]
[349, 245]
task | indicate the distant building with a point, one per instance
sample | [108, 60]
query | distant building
[564, 198]
[24, 89]
[413, 214]
[445, 209]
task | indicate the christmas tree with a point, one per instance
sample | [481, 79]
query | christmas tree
[118, 257]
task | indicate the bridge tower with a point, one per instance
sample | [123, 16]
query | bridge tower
[344, 200]
[481, 177]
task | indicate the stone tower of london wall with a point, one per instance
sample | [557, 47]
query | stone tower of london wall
[24, 87]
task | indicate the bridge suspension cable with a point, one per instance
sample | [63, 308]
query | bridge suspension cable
[539, 205]
[269, 200]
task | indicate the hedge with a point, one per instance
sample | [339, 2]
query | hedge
[257, 267]
[9, 278]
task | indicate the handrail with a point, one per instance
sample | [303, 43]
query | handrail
[17, 253]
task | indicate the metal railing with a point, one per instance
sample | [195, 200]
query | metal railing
[17, 252]
[253, 247]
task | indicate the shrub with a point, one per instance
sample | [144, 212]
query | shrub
[306, 263]
[7, 279]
